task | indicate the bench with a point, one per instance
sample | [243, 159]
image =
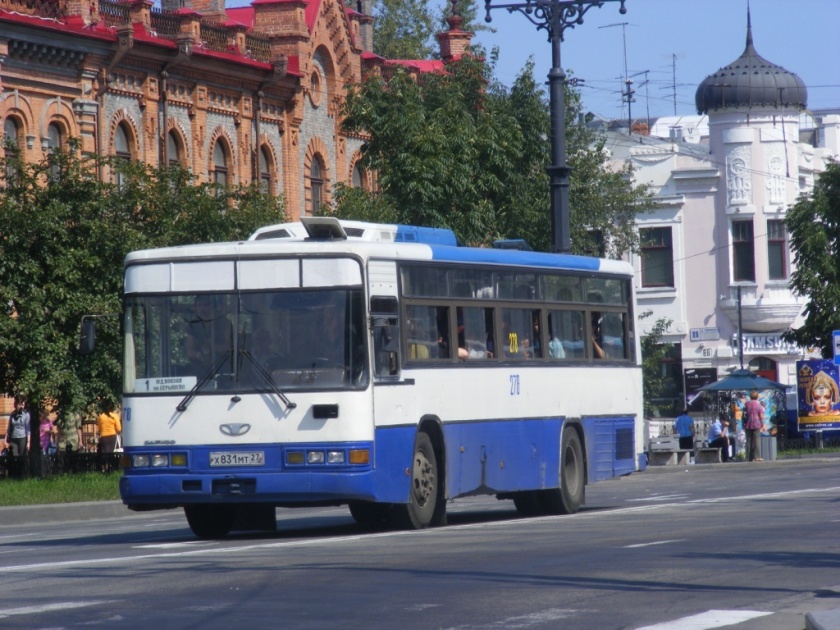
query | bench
[706, 455]
[678, 457]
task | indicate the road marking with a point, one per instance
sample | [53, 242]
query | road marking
[176, 545]
[658, 497]
[651, 544]
[537, 618]
[239, 549]
[709, 619]
[34, 610]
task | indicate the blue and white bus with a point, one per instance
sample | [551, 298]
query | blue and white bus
[382, 367]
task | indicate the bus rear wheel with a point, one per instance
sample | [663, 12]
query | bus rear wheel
[210, 521]
[568, 498]
[424, 507]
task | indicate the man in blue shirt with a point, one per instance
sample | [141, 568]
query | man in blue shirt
[684, 426]
[719, 436]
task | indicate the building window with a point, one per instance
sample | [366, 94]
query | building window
[743, 252]
[265, 171]
[776, 250]
[173, 150]
[122, 150]
[11, 139]
[657, 257]
[316, 184]
[220, 170]
[55, 140]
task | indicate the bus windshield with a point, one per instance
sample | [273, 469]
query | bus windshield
[256, 341]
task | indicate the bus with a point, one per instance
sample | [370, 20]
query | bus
[382, 367]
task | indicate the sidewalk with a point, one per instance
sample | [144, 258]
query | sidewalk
[62, 512]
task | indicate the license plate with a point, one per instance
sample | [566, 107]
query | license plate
[251, 458]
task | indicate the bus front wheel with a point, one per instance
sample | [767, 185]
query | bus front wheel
[210, 521]
[424, 507]
[568, 498]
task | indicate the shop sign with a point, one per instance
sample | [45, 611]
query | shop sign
[765, 344]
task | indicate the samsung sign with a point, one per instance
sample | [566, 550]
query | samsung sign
[765, 344]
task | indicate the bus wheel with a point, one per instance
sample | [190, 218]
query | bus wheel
[423, 500]
[366, 513]
[210, 521]
[570, 496]
[527, 502]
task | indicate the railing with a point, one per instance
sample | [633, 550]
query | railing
[166, 25]
[214, 37]
[55, 9]
[60, 464]
[114, 13]
[258, 48]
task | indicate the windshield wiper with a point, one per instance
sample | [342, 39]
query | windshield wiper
[182, 406]
[269, 380]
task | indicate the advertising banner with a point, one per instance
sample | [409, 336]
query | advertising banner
[818, 395]
[695, 378]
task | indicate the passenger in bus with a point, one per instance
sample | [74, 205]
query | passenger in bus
[471, 348]
[597, 348]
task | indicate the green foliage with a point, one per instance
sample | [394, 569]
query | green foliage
[65, 235]
[404, 29]
[654, 381]
[64, 489]
[813, 224]
[459, 150]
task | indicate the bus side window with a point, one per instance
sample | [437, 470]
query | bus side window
[566, 335]
[425, 339]
[386, 336]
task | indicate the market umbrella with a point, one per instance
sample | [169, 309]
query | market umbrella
[742, 380]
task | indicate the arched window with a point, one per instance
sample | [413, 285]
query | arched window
[173, 149]
[358, 178]
[220, 169]
[316, 184]
[122, 149]
[265, 171]
[11, 139]
[55, 141]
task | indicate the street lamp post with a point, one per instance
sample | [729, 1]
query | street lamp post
[555, 16]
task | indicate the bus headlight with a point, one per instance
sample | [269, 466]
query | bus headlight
[160, 459]
[315, 457]
[335, 457]
[139, 461]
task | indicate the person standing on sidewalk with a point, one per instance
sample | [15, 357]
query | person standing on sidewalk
[108, 423]
[18, 431]
[753, 423]
[684, 426]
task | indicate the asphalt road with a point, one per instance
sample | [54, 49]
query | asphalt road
[747, 546]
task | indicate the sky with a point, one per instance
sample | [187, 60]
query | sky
[671, 46]
[689, 39]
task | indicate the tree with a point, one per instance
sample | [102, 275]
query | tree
[64, 237]
[458, 149]
[813, 224]
[403, 30]
[654, 382]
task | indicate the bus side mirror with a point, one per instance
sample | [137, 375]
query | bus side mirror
[386, 345]
[87, 340]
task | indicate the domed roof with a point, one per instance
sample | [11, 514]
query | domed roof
[750, 81]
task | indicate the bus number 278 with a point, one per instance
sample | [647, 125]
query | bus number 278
[514, 384]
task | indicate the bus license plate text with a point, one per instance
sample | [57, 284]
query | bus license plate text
[252, 458]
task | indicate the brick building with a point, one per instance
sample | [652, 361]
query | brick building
[235, 95]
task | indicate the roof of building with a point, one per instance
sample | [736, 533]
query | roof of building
[751, 81]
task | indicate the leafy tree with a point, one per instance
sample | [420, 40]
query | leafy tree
[813, 224]
[654, 382]
[459, 150]
[404, 29]
[65, 234]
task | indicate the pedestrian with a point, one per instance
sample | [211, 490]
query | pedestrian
[18, 430]
[108, 423]
[753, 423]
[719, 435]
[45, 431]
[684, 427]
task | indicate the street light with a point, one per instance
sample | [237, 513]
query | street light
[555, 16]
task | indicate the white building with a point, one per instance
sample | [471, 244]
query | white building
[724, 180]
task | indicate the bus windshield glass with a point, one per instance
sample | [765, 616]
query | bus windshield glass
[241, 342]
